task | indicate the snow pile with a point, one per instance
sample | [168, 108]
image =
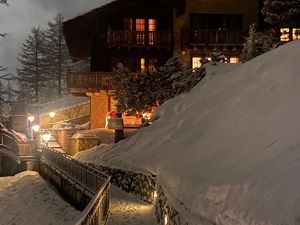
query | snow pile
[27, 199]
[227, 152]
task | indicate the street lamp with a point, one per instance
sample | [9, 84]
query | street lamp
[52, 114]
[46, 137]
[29, 128]
[35, 128]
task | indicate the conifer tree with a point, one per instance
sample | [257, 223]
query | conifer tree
[57, 55]
[31, 77]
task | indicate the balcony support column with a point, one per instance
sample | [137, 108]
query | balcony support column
[99, 103]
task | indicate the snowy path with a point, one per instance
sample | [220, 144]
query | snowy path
[127, 209]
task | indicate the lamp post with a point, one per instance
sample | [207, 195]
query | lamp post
[46, 137]
[35, 128]
[52, 115]
[29, 128]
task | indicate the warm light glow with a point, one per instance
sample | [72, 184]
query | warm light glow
[46, 137]
[140, 24]
[166, 220]
[143, 66]
[284, 34]
[35, 128]
[296, 33]
[196, 62]
[52, 114]
[234, 59]
[30, 118]
[154, 194]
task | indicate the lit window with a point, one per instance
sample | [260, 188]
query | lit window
[143, 67]
[140, 24]
[151, 65]
[196, 62]
[296, 33]
[234, 59]
[284, 34]
[152, 24]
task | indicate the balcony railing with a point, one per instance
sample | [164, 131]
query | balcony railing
[216, 37]
[152, 39]
[81, 82]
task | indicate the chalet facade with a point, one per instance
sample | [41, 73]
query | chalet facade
[144, 34]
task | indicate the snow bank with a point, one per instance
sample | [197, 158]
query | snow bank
[227, 152]
[27, 199]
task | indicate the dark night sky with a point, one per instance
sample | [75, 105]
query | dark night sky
[21, 15]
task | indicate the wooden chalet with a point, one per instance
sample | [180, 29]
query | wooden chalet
[143, 34]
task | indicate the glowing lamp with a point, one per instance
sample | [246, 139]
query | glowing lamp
[30, 118]
[52, 114]
[46, 137]
[35, 128]
[166, 220]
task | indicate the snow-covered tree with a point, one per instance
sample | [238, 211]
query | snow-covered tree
[150, 89]
[256, 44]
[279, 13]
[56, 54]
[3, 2]
[31, 76]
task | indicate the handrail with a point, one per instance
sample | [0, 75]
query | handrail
[215, 36]
[74, 169]
[16, 146]
[128, 38]
[97, 211]
[90, 80]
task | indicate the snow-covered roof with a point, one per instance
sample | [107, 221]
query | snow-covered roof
[62, 103]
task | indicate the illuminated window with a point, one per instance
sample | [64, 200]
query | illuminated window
[151, 64]
[143, 66]
[152, 27]
[284, 34]
[152, 24]
[234, 59]
[296, 33]
[196, 62]
[140, 24]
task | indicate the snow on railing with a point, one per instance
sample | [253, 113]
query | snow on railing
[97, 211]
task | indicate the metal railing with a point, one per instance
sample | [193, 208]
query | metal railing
[97, 211]
[127, 38]
[89, 179]
[15, 147]
[90, 80]
[212, 37]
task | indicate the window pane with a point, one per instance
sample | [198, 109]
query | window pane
[196, 62]
[127, 23]
[296, 33]
[151, 65]
[284, 34]
[152, 24]
[140, 24]
[234, 59]
[143, 67]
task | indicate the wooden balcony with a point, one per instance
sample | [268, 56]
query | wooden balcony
[216, 37]
[81, 82]
[139, 39]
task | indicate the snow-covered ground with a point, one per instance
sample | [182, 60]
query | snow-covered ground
[26, 199]
[227, 152]
[127, 209]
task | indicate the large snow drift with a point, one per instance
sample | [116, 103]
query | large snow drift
[227, 152]
[27, 199]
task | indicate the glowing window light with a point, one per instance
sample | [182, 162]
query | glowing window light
[196, 62]
[143, 66]
[296, 33]
[140, 24]
[284, 34]
[234, 59]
